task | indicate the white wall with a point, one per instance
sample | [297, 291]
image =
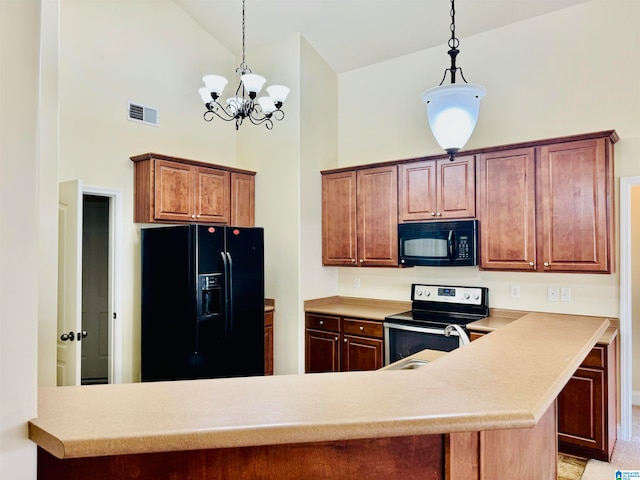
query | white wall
[19, 230]
[154, 54]
[573, 78]
[288, 160]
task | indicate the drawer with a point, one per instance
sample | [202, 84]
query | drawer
[595, 358]
[323, 322]
[362, 327]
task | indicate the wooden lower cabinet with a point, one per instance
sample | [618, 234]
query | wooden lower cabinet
[338, 344]
[268, 342]
[587, 405]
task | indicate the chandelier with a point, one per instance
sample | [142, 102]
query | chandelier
[243, 105]
[453, 109]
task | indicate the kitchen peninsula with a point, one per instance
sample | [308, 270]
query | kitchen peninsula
[471, 412]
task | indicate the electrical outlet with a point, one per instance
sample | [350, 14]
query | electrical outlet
[356, 282]
[565, 294]
[552, 294]
[515, 291]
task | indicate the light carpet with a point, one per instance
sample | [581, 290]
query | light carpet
[626, 456]
[570, 468]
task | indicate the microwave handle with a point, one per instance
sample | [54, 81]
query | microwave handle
[451, 244]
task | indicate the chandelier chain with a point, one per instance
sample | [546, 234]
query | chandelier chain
[243, 65]
[453, 41]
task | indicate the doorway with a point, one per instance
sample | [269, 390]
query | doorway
[95, 290]
[89, 275]
[629, 285]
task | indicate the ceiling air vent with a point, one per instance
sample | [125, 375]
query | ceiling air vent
[143, 114]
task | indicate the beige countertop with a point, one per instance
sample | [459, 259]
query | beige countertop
[373, 309]
[504, 380]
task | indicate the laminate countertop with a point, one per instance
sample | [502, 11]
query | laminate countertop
[374, 309]
[504, 380]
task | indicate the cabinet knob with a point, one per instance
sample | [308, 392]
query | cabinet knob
[438, 214]
[531, 263]
[546, 264]
[433, 214]
[193, 216]
[198, 216]
[321, 322]
[336, 339]
[362, 329]
[345, 340]
[353, 260]
[361, 261]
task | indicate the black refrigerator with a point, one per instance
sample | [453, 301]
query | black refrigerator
[202, 302]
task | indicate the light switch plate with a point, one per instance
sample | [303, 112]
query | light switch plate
[515, 291]
[565, 294]
[552, 294]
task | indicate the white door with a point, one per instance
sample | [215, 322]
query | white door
[69, 282]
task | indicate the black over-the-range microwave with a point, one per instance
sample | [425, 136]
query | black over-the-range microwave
[442, 244]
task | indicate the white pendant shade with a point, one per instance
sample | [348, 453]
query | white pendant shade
[215, 83]
[453, 112]
[278, 92]
[253, 82]
[267, 105]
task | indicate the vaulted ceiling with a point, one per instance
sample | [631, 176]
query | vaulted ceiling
[350, 34]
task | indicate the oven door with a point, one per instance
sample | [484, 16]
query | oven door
[401, 341]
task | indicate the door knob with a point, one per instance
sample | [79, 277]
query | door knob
[82, 335]
[68, 336]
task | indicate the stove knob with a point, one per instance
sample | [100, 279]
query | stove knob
[466, 296]
[476, 296]
[428, 293]
[418, 293]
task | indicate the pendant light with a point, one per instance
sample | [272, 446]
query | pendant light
[453, 109]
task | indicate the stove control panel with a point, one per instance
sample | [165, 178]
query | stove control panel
[448, 294]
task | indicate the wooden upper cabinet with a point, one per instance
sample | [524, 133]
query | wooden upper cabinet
[170, 189]
[339, 235]
[548, 208]
[243, 199]
[359, 217]
[437, 190]
[507, 210]
[576, 200]
[173, 192]
[378, 216]
[212, 195]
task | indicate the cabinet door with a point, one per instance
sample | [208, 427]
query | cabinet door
[212, 195]
[173, 185]
[377, 200]
[322, 351]
[581, 410]
[243, 199]
[507, 213]
[268, 343]
[339, 235]
[574, 199]
[417, 191]
[360, 353]
[456, 190]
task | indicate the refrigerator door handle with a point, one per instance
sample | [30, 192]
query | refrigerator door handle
[225, 267]
[230, 286]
